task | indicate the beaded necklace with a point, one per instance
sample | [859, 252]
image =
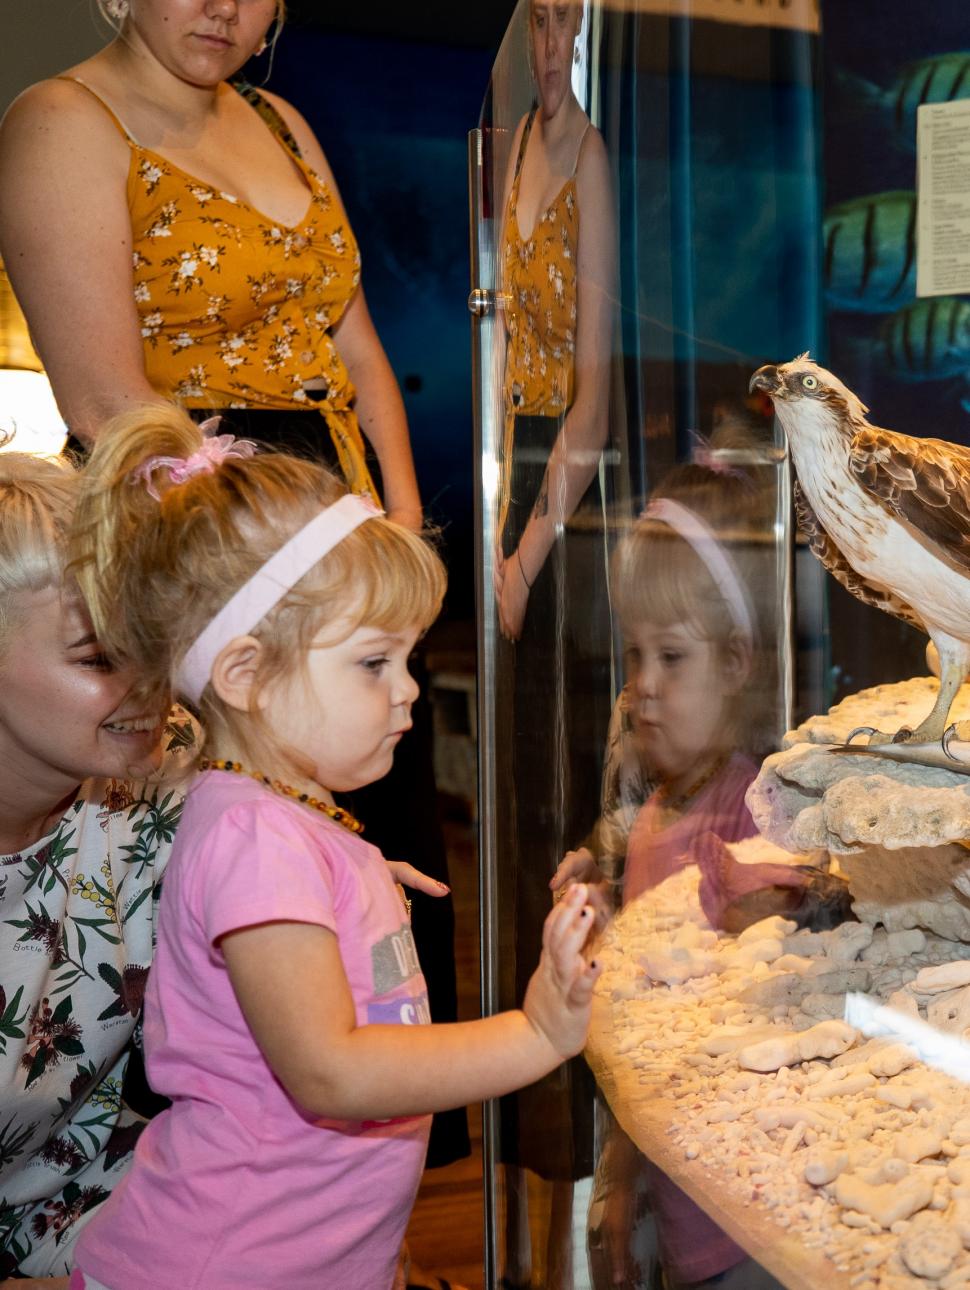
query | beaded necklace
[680, 801]
[336, 813]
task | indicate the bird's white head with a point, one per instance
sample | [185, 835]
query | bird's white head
[806, 395]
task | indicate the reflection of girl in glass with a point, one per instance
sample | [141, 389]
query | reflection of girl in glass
[692, 590]
[554, 345]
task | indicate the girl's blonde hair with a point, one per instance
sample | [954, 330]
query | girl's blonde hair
[657, 577]
[155, 572]
[37, 497]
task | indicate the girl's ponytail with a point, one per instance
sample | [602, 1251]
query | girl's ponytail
[120, 535]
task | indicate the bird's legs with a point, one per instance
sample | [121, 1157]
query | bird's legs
[954, 662]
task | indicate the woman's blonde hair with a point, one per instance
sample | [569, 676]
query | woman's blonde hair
[155, 572]
[37, 497]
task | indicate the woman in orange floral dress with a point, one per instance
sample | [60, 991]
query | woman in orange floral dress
[164, 242]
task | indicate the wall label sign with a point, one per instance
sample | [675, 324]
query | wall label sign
[943, 205]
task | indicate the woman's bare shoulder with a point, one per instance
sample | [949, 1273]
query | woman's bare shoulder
[593, 164]
[57, 94]
[513, 155]
[58, 113]
[520, 127]
[302, 132]
[592, 152]
[297, 122]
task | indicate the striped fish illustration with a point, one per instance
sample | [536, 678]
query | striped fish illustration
[942, 78]
[929, 340]
[870, 252]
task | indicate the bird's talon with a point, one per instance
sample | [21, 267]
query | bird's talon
[949, 734]
[902, 735]
[860, 730]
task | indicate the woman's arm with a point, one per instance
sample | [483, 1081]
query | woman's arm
[500, 343]
[291, 986]
[575, 454]
[380, 408]
[65, 239]
[380, 411]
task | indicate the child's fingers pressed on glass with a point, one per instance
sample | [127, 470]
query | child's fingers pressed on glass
[569, 928]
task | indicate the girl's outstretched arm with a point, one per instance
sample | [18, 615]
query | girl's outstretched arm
[290, 983]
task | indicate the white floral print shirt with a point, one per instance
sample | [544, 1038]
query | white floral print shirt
[77, 932]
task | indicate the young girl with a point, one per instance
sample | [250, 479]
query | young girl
[286, 1004]
[688, 583]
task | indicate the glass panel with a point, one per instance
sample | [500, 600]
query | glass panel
[644, 237]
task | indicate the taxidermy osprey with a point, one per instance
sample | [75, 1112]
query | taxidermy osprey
[888, 515]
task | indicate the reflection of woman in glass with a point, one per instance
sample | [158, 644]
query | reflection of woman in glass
[557, 267]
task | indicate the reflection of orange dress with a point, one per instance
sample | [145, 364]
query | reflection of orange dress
[553, 685]
[236, 309]
[539, 282]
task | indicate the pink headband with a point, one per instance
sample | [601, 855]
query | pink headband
[267, 587]
[694, 531]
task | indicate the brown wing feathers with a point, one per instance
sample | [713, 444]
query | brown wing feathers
[825, 550]
[926, 482]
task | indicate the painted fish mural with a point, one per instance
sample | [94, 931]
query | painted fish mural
[940, 79]
[929, 340]
[870, 252]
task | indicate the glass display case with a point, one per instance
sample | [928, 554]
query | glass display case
[665, 619]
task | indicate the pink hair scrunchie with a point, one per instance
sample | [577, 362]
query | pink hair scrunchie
[214, 451]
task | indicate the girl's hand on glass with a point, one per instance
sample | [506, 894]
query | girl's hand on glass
[579, 866]
[575, 866]
[560, 993]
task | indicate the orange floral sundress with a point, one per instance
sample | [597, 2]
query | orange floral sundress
[236, 309]
[539, 285]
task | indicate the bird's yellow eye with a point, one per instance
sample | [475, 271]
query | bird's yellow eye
[810, 382]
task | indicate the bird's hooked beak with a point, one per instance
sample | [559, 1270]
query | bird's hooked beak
[765, 378]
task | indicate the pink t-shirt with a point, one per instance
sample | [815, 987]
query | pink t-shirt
[235, 1187]
[692, 1246]
[653, 854]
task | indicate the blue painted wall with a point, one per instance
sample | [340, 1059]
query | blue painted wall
[393, 119]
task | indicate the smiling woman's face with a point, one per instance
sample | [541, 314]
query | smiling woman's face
[65, 714]
[199, 41]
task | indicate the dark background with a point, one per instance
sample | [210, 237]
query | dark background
[391, 91]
